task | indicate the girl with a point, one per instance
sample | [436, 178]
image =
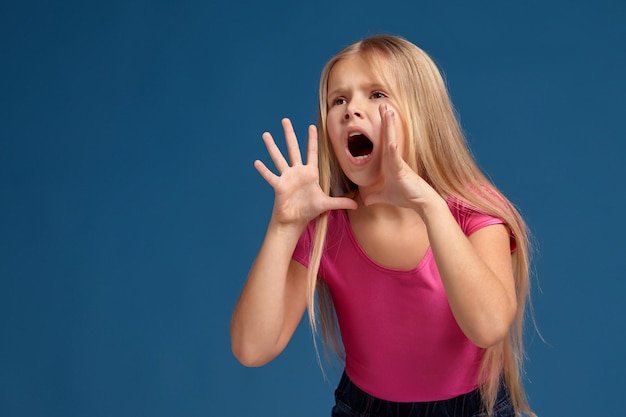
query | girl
[419, 262]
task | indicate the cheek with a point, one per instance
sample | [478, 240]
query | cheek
[337, 147]
[334, 131]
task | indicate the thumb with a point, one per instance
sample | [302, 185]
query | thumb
[339, 203]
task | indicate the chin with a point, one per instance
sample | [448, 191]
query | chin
[369, 182]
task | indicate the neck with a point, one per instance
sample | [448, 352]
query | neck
[385, 211]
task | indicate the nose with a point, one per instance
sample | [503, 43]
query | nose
[352, 110]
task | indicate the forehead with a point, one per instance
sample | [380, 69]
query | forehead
[354, 69]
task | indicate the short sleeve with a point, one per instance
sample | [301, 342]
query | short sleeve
[302, 252]
[472, 220]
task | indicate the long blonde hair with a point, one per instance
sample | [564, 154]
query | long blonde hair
[437, 151]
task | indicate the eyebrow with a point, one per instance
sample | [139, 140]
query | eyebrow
[370, 87]
[337, 92]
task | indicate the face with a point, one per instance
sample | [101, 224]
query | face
[354, 121]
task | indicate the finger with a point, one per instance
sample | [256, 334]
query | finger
[265, 172]
[340, 203]
[382, 109]
[311, 157]
[275, 153]
[389, 128]
[293, 149]
[389, 133]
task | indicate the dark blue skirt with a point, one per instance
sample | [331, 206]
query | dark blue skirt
[351, 401]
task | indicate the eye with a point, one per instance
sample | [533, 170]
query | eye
[338, 101]
[378, 94]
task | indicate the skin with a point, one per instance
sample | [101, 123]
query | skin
[396, 217]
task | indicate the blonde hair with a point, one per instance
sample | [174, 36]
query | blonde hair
[437, 150]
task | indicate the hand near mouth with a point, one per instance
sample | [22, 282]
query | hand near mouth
[402, 186]
[298, 196]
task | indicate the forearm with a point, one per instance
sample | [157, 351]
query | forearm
[478, 283]
[260, 314]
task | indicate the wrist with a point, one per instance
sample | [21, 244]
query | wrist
[432, 206]
[286, 229]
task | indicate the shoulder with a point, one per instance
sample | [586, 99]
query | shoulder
[336, 221]
[469, 218]
[335, 229]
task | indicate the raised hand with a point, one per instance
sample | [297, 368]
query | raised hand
[298, 196]
[402, 187]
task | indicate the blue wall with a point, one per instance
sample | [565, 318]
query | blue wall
[130, 210]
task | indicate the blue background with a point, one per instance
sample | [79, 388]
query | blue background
[131, 212]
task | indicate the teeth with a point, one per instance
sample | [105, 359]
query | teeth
[355, 134]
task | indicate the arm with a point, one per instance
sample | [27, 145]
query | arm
[476, 271]
[274, 297]
[477, 274]
[272, 301]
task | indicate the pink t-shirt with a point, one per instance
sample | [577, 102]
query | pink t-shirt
[401, 340]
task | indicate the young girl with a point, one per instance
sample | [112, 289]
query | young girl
[419, 262]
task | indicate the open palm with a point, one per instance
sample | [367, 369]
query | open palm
[298, 196]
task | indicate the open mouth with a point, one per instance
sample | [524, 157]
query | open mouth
[359, 145]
